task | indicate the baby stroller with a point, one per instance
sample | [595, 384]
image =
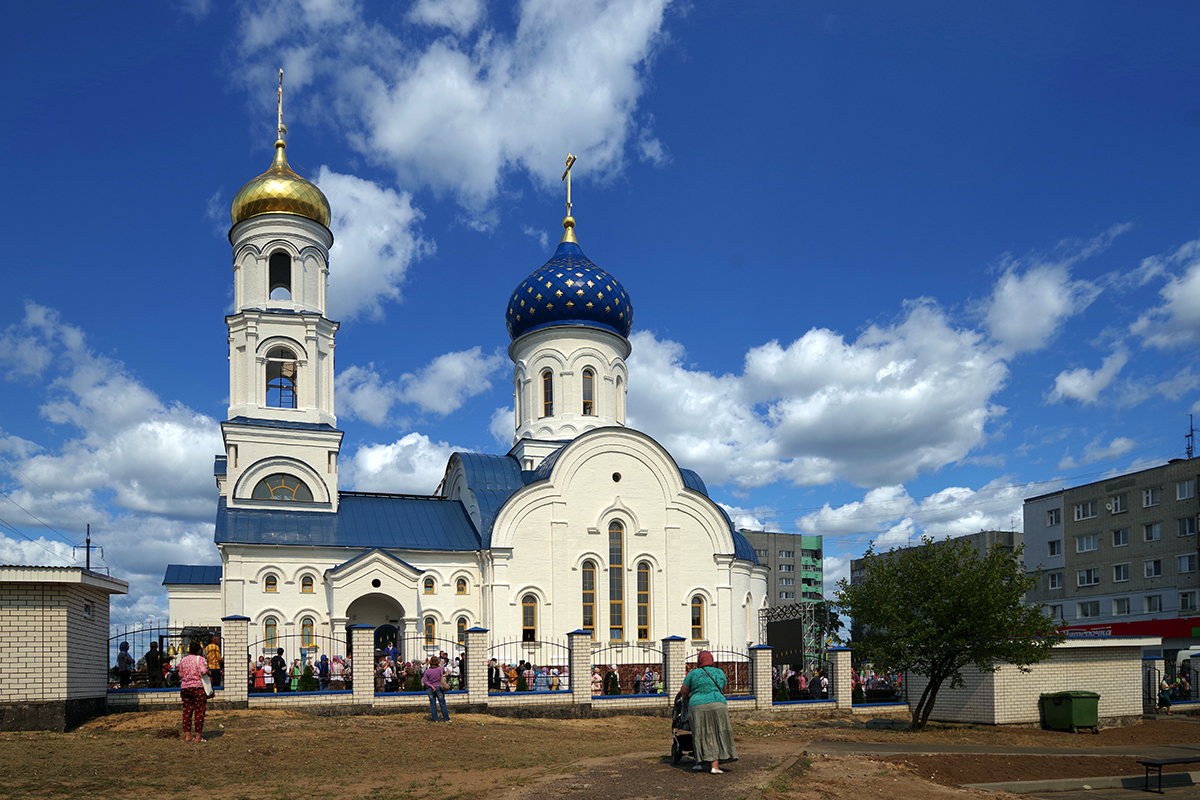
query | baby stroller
[681, 731]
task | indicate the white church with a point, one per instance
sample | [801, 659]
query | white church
[585, 524]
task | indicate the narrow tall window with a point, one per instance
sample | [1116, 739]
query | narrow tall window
[589, 597]
[430, 630]
[270, 630]
[589, 381]
[281, 378]
[620, 401]
[280, 276]
[462, 631]
[429, 584]
[460, 586]
[529, 618]
[306, 631]
[697, 618]
[306, 584]
[547, 394]
[616, 581]
[643, 601]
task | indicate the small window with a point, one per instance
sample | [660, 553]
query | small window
[306, 584]
[429, 585]
[529, 618]
[787, 553]
[282, 487]
[787, 595]
[1055, 580]
[1186, 526]
[787, 567]
[1054, 517]
[462, 631]
[1121, 537]
[589, 393]
[1154, 568]
[1056, 612]
[430, 630]
[791, 582]
[270, 584]
[1087, 577]
[1151, 497]
[270, 631]
[698, 616]
[1152, 532]
[547, 394]
[1153, 603]
[1185, 490]
[1054, 548]
[1120, 573]
[1120, 606]
[1085, 510]
[643, 601]
[589, 597]
[1088, 610]
[1187, 563]
[460, 586]
[760, 553]
[1187, 601]
[281, 378]
[1086, 544]
[1118, 504]
[280, 276]
[88, 610]
[306, 631]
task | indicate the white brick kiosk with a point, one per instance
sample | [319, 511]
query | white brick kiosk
[56, 620]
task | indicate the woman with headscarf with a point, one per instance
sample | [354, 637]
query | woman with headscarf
[712, 734]
[124, 665]
[260, 674]
[597, 681]
[191, 686]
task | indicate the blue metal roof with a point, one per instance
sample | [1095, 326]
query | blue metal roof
[490, 472]
[192, 575]
[280, 423]
[361, 556]
[693, 481]
[220, 465]
[362, 520]
[569, 290]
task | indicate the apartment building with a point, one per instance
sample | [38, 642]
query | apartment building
[1119, 556]
[797, 568]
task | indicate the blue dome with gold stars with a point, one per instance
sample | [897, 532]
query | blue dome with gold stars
[569, 290]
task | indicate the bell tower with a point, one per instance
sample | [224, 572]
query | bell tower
[281, 437]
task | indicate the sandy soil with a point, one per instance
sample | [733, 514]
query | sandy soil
[256, 754]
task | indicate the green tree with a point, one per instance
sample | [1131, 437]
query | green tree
[936, 609]
[829, 622]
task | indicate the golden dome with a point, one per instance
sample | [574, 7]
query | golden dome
[280, 191]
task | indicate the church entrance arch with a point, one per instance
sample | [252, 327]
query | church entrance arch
[382, 613]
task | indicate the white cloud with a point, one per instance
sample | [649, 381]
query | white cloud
[752, 519]
[501, 425]
[376, 240]
[1175, 322]
[413, 464]
[898, 401]
[460, 16]
[456, 114]
[440, 387]
[538, 235]
[1027, 308]
[1085, 385]
[1095, 451]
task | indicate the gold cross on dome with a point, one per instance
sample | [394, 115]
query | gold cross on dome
[566, 176]
[281, 129]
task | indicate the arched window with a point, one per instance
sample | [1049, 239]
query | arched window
[270, 631]
[306, 584]
[306, 632]
[589, 392]
[282, 487]
[270, 584]
[280, 276]
[698, 617]
[616, 581]
[462, 631]
[620, 401]
[589, 597]
[281, 378]
[643, 601]
[430, 630]
[529, 618]
[460, 586]
[429, 584]
[547, 394]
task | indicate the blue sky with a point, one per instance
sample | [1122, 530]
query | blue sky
[893, 269]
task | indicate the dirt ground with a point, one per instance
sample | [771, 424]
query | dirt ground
[281, 754]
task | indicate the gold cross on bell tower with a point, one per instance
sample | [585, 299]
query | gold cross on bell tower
[281, 129]
[569, 221]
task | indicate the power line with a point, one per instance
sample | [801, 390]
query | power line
[6, 525]
[45, 524]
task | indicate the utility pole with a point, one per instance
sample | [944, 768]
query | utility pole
[1191, 437]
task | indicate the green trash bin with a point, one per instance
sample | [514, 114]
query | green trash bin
[1070, 711]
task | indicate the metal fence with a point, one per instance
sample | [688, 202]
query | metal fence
[295, 662]
[736, 666]
[170, 645]
[542, 665]
[878, 686]
[626, 669]
[399, 664]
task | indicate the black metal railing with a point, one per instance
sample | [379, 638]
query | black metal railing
[307, 663]
[533, 666]
[736, 666]
[150, 667]
[398, 667]
[626, 668]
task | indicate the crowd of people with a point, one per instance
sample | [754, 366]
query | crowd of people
[394, 674]
[155, 670]
[524, 676]
[275, 674]
[607, 680]
[812, 684]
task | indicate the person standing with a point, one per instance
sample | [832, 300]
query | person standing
[124, 665]
[154, 666]
[712, 733]
[493, 676]
[216, 662]
[431, 679]
[191, 687]
[279, 671]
